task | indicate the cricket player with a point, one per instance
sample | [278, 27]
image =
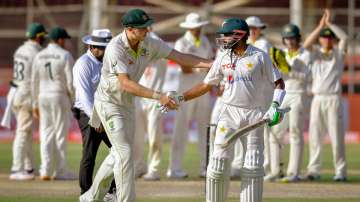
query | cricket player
[295, 85]
[53, 95]
[148, 117]
[326, 114]
[23, 157]
[258, 40]
[196, 43]
[86, 73]
[248, 72]
[126, 57]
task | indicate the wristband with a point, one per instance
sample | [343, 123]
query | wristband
[279, 95]
[156, 95]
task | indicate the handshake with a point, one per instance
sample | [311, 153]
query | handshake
[170, 100]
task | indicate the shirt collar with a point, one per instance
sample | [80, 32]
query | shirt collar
[34, 44]
[93, 58]
[192, 39]
[54, 45]
[133, 53]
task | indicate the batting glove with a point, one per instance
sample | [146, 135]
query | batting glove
[274, 114]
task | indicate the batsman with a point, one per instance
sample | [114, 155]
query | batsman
[248, 72]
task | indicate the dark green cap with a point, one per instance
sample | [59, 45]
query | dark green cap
[290, 30]
[232, 24]
[136, 18]
[327, 32]
[35, 29]
[58, 33]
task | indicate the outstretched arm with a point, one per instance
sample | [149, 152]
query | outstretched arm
[188, 60]
[339, 33]
[311, 39]
[197, 91]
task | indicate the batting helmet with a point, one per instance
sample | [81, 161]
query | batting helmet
[290, 30]
[232, 31]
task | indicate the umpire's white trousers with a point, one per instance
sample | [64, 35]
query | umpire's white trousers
[55, 116]
[326, 116]
[118, 122]
[198, 110]
[23, 154]
[294, 121]
[148, 120]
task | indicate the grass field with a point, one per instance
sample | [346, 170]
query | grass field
[70, 189]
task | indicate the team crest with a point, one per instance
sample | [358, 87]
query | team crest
[222, 129]
[249, 66]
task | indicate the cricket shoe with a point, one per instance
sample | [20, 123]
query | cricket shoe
[176, 174]
[290, 179]
[310, 177]
[272, 178]
[22, 175]
[65, 175]
[339, 178]
[151, 176]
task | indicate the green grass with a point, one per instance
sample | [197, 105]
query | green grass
[191, 165]
[32, 199]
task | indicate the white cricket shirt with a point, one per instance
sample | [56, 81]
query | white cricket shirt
[327, 69]
[52, 73]
[120, 58]
[261, 43]
[247, 78]
[296, 79]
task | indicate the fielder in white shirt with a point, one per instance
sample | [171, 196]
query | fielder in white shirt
[148, 119]
[326, 109]
[126, 57]
[196, 43]
[295, 85]
[23, 156]
[248, 71]
[53, 95]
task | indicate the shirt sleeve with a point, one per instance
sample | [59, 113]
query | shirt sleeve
[215, 75]
[115, 60]
[83, 88]
[69, 63]
[162, 49]
[271, 73]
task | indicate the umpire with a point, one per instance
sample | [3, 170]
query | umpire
[87, 72]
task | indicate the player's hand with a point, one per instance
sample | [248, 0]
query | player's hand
[327, 17]
[100, 129]
[220, 90]
[274, 114]
[35, 113]
[168, 102]
[186, 70]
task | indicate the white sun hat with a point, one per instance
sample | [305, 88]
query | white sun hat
[192, 21]
[254, 21]
[98, 37]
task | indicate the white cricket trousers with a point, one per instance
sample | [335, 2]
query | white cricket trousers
[23, 154]
[252, 171]
[118, 122]
[198, 110]
[148, 121]
[294, 122]
[326, 116]
[55, 117]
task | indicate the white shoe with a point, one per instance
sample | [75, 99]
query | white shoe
[110, 197]
[151, 176]
[22, 176]
[83, 199]
[66, 175]
[271, 178]
[178, 174]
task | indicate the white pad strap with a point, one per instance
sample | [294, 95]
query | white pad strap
[217, 180]
[279, 95]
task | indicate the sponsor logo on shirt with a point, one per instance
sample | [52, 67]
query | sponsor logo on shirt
[232, 79]
[228, 66]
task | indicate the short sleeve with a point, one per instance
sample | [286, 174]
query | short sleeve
[271, 73]
[161, 48]
[115, 61]
[215, 75]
